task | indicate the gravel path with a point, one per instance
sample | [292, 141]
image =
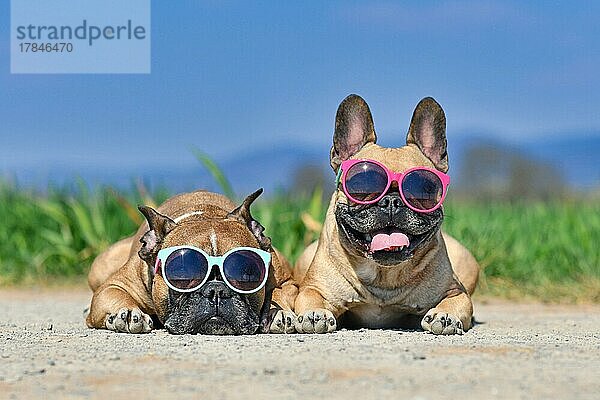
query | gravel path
[517, 351]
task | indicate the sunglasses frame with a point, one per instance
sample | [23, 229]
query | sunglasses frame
[392, 176]
[212, 261]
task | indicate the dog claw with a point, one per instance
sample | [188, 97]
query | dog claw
[282, 321]
[316, 321]
[129, 321]
[441, 323]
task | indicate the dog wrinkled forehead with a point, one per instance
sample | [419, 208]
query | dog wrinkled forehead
[214, 236]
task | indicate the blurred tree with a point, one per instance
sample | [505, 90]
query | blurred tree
[307, 178]
[501, 173]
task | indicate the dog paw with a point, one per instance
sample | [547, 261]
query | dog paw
[129, 321]
[282, 321]
[441, 323]
[316, 321]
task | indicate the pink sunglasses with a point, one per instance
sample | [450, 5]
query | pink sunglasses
[422, 189]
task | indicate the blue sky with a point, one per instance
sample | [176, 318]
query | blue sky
[229, 76]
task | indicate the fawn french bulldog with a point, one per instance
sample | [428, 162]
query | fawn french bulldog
[382, 260]
[198, 265]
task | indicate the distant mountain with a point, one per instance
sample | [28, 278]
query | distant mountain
[574, 155]
[273, 168]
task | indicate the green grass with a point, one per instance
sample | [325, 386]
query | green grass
[540, 249]
[59, 233]
[547, 251]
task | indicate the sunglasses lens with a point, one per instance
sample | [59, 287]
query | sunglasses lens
[244, 270]
[365, 181]
[422, 189]
[186, 268]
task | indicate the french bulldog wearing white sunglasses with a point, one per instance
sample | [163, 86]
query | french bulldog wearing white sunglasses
[199, 265]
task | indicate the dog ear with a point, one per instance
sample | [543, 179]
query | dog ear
[428, 131]
[242, 213]
[353, 129]
[160, 225]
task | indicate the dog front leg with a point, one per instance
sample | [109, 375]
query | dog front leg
[114, 309]
[452, 316]
[282, 318]
[315, 314]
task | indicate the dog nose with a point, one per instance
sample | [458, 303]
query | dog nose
[390, 203]
[215, 291]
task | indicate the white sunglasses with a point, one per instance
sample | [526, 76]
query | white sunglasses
[186, 268]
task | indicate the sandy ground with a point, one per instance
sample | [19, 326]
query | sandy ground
[517, 351]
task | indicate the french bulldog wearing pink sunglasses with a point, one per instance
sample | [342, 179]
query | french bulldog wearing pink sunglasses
[382, 260]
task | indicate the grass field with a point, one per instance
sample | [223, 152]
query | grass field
[549, 251]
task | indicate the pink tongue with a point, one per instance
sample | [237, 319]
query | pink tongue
[381, 241]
